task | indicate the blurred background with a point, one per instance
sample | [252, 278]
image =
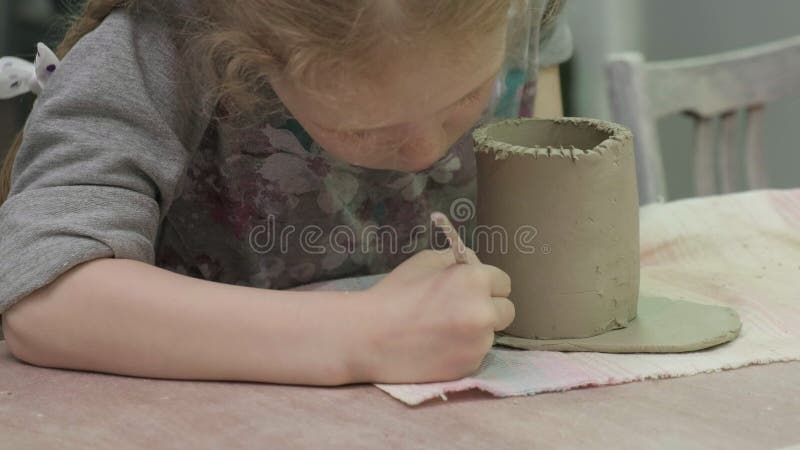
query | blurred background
[23, 23]
[673, 29]
[659, 29]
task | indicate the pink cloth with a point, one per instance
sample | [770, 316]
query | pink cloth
[740, 250]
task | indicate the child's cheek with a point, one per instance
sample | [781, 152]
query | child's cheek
[460, 120]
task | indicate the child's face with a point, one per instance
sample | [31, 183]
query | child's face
[408, 115]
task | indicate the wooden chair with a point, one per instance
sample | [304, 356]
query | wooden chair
[705, 88]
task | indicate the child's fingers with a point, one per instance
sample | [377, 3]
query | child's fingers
[472, 257]
[505, 312]
[499, 282]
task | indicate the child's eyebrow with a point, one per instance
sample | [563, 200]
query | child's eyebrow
[376, 129]
[477, 88]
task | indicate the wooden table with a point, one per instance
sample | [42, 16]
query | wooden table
[754, 407]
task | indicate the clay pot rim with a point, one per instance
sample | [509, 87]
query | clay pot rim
[617, 135]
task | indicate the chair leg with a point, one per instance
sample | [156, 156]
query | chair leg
[754, 148]
[728, 159]
[704, 174]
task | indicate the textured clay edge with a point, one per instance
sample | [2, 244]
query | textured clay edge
[618, 135]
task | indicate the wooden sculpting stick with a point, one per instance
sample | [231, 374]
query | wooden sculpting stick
[459, 248]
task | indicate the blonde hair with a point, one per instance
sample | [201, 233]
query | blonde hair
[241, 46]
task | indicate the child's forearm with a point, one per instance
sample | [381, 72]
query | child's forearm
[127, 317]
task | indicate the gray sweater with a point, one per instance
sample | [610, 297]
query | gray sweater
[122, 160]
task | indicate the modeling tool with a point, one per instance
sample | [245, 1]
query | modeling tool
[459, 249]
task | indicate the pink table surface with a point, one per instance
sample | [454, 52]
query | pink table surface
[753, 407]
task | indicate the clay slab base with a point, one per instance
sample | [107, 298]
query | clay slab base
[661, 326]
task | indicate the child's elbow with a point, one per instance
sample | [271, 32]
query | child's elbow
[21, 331]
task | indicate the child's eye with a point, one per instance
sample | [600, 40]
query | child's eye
[470, 98]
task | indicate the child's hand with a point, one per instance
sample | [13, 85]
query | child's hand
[433, 320]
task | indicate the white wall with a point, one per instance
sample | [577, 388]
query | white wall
[599, 27]
[677, 29]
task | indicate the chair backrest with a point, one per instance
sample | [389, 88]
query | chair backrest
[705, 88]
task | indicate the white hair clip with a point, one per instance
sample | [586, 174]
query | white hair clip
[18, 76]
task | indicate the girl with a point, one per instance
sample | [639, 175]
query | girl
[188, 162]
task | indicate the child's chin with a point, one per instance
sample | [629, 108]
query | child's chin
[421, 163]
[400, 166]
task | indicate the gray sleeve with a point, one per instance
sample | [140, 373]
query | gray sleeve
[104, 150]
